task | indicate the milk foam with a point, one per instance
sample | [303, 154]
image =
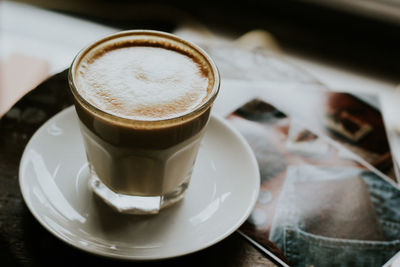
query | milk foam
[143, 83]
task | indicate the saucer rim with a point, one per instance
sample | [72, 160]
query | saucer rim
[92, 250]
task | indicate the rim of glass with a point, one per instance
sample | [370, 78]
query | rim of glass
[114, 118]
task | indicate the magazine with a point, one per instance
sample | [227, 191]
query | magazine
[325, 199]
[328, 193]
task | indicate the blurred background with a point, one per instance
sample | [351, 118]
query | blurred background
[358, 34]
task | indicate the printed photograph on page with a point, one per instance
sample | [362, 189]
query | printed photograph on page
[316, 203]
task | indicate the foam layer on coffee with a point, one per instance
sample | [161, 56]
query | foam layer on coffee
[142, 82]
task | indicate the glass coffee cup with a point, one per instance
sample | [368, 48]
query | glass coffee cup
[143, 99]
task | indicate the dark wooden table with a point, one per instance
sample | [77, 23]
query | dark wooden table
[24, 242]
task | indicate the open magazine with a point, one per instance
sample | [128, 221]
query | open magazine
[329, 194]
[326, 199]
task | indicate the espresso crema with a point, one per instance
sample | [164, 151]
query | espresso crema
[143, 82]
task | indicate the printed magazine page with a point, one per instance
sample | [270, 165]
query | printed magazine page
[321, 203]
[329, 195]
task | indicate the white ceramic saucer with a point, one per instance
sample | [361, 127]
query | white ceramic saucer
[53, 178]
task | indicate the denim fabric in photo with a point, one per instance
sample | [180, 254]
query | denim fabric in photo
[336, 216]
